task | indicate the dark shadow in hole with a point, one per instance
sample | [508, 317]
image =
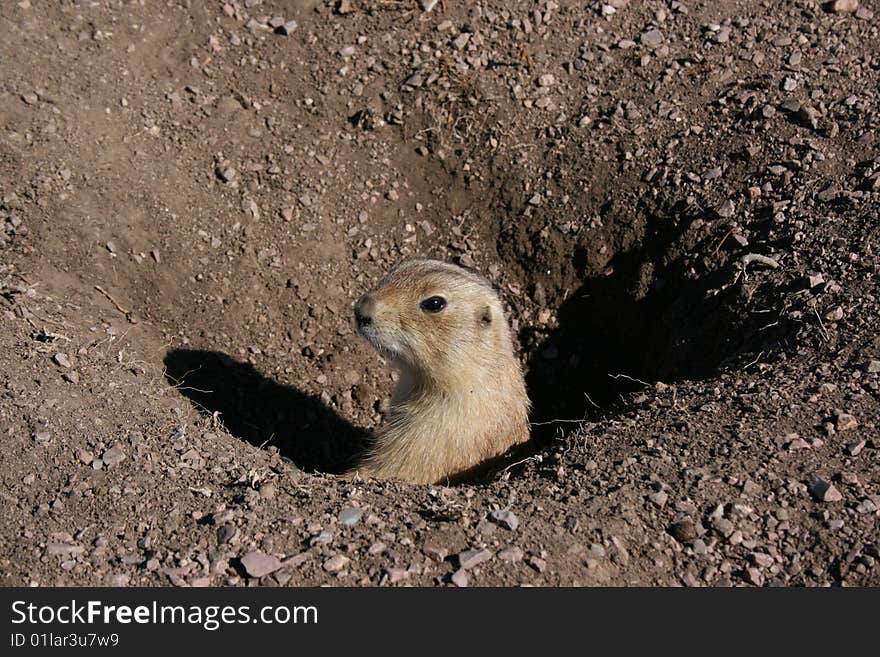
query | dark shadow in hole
[651, 319]
[263, 412]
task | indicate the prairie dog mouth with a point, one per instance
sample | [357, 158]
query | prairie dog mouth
[388, 349]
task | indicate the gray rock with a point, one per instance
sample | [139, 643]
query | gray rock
[844, 421]
[824, 491]
[726, 209]
[866, 506]
[651, 38]
[435, 551]
[62, 359]
[287, 28]
[296, 560]
[723, 526]
[64, 549]
[505, 518]
[658, 499]
[351, 516]
[854, 449]
[539, 564]
[225, 532]
[460, 578]
[471, 558]
[782, 41]
[815, 280]
[828, 194]
[461, 41]
[844, 6]
[761, 559]
[511, 554]
[259, 564]
[754, 576]
[336, 563]
[414, 80]
[113, 456]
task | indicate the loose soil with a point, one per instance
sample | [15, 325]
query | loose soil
[678, 202]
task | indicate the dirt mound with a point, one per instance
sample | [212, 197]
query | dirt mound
[677, 202]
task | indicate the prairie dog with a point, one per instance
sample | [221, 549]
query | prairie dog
[461, 398]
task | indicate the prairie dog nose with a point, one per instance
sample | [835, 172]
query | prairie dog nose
[363, 310]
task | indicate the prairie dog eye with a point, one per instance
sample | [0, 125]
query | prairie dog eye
[433, 304]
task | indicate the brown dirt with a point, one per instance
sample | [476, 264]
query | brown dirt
[191, 202]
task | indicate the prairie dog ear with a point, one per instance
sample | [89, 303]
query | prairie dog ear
[484, 316]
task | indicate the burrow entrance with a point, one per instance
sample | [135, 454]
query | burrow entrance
[644, 290]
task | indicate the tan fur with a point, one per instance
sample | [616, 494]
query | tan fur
[461, 399]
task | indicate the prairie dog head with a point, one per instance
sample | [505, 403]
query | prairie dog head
[434, 319]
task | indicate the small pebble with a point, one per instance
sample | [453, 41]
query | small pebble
[336, 563]
[844, 421]
[258, 564]
[754, 576]
[505, 518]
[460, 578]
[435, 552]
[844, 6]
[683, 531]
[113, 456]
[511, 554]
[471, 558]
[651, 38]
[824, 491]
[726, 209]
[350, 517]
